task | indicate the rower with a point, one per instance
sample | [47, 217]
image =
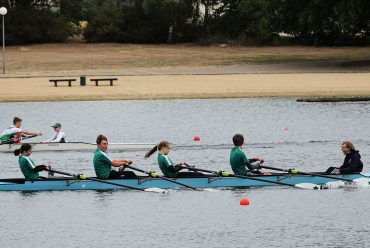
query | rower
[168, 168]
[103, 163]
[352, 161]
[59, 136]
[239, 160]
[14, 133]
[28, 168]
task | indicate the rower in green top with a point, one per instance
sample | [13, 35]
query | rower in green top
[27, 166]
[14, 133]
[103, 163]
[168, 168]
[240, 164]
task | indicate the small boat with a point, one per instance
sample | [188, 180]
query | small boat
[76, 146]
[71, 183]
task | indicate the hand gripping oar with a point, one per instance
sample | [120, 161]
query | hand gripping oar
[154, 174]
[11, 142]
[226, 174]
[83, 177]
[294, 171]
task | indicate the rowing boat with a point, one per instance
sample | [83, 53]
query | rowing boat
[75, 146]
[70, 183]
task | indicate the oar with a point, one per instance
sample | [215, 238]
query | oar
[23, 138]
[294, 171]
[153, 174]
[225, 174]
[83, 177]
[29, 137]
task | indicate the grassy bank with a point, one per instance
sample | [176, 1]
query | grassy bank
[64, 59]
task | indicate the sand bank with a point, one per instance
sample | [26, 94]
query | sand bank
[192, 86]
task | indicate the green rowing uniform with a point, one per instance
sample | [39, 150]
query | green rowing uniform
[239, 161]
[27, 166]
[9, 132]
[102, 164]
[166, 165]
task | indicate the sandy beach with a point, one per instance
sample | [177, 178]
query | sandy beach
[182, 71]
[195, 86]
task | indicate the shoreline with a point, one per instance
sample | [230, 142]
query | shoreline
[183, 71]
[158, 87]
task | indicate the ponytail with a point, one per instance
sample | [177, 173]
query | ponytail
[17, 152]
[25, 147]
[151, 152]
[157, 148]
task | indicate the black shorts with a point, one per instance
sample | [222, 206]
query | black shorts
[121, 174]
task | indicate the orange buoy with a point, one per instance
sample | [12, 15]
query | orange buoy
[244, 202]
[196, 138]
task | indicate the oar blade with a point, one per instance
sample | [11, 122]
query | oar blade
[362, 182]
[308, 186]
[334, 185]
[156, 190]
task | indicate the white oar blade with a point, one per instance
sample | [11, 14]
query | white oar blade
[362, 182]
[308, 186]
[156, 190]
[334, 185]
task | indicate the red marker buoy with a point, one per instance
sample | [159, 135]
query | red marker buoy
[286, 129]
[196, 138]
[244, 202]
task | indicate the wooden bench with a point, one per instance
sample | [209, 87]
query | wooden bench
[97, 80]
[55, 81]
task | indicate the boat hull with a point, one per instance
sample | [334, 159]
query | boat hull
[75, 146]
[145, 182]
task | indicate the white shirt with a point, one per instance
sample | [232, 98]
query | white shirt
[11, 130]
[58, 136]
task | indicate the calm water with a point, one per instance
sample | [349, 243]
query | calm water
[277, 216]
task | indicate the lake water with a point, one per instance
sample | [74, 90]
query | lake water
[276, 217]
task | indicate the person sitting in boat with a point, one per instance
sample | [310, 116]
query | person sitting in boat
[239, 161]
[168, 168]
[103, 163]
[28, 167]
[14, 133]
[59, 136]
[352, 161]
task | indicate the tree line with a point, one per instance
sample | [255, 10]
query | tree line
[254, 22]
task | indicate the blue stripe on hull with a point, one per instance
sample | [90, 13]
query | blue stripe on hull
[212, 182]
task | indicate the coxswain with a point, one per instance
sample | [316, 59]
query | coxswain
[59, 136]
[352, 161]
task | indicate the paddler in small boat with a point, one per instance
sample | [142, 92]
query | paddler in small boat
[28, 167]
[14, 133]
[352, 161]
[59, 136]
[103, 163]
[240, 164]
[169, 168]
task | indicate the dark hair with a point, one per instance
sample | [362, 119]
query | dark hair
[100, 138]
[25, 147]
[157, 147]
[16, 119]
[238, 139]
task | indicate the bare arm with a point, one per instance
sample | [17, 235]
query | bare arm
[31, 133]
[119, 163]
